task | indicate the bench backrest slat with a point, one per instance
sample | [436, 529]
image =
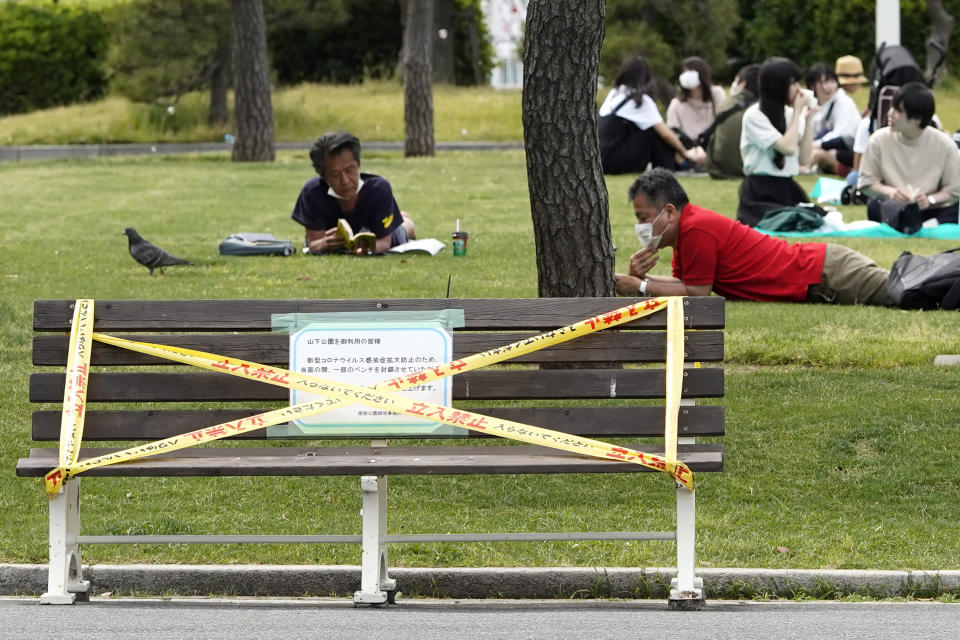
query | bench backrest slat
[589, 421]
[607, 384]
[273, 348]
[612, 368]
[250, 315]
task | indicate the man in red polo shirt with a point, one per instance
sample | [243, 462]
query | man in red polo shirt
[714, 253]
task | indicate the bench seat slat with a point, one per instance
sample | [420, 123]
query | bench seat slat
[246, 315]
[600, 422]
[273, 348]
[476, 385]
[467, 460]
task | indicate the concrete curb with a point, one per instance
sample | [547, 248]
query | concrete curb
[511, 583]
[56, 152]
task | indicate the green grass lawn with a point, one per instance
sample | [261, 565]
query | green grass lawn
[842, 437]
[373, 111]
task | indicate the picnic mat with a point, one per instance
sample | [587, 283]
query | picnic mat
[866, 229]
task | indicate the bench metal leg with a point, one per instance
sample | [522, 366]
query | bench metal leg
[65, 581]
[686, 590]
[376, 587]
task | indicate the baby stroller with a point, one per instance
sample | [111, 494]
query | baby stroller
[892, 67]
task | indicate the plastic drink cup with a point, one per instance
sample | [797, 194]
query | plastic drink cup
[460, 242]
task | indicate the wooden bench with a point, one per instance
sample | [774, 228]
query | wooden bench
[547, 396]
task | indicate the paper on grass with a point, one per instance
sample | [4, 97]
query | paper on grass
[424, 245]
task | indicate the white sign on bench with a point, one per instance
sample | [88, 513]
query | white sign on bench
[364, 354]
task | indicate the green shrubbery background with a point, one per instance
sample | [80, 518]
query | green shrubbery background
[50, 55]
[729, 33]
[54, 54]
[58, 53]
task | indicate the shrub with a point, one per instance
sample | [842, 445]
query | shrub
[823, 30]
[666, 32]
[49, 55]
[367, 45]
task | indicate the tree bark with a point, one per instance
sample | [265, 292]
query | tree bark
[418, 92]
[219, 82]
[941, 25]
[253, 110]
[568, 196]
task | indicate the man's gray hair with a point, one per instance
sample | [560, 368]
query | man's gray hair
[332, 143]
[659, 187]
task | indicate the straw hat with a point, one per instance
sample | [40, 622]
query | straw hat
[849, 70]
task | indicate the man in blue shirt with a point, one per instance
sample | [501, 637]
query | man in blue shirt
[340, 190]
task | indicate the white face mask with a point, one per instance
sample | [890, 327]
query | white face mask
[645, 233]
[690, 79]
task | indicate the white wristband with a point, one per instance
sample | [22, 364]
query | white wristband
[643, 287]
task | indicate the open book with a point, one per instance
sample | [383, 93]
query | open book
[365, 239]
[426, 245]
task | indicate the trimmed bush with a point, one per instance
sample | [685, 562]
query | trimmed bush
[49, 55]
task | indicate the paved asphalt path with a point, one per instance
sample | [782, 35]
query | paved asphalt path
[328, 619]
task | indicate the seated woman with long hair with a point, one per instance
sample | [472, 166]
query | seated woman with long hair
[632, 133]
[775, 140]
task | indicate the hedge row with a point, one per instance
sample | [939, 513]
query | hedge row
[49, 55]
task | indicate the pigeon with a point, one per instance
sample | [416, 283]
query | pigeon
[150, 256]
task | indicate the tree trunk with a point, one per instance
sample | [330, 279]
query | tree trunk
[478, 78]
[443, 43]
[941, 24]
[219, 82]
[251, 76]
[417, 90]
[568, 196]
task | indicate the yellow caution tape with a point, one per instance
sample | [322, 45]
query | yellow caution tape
[370, 397]
[343, 393]
[75, 386]
[55, 478]
[674, 373]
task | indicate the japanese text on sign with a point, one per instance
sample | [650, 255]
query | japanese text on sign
[364, 354]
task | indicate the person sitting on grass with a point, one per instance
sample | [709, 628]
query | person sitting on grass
[713, 253]
[849, 72]
[834, 124]
[340, 190]
[774, 141]
[694, 110]
[723, 146]
[911, 161]
[631, 131]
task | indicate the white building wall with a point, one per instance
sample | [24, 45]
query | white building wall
[505, 20]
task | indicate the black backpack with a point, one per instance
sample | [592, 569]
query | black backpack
[919, 282]
[741, 104]
[621, 147]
